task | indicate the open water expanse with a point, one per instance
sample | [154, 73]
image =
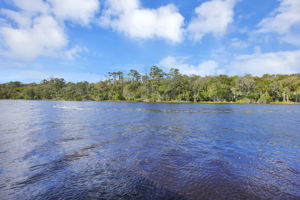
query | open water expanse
[97, 150]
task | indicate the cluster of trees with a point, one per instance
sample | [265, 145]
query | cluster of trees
[157, 86]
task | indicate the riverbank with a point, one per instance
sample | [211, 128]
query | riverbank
[162, 102]
[202, 102]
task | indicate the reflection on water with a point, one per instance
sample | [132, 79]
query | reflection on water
[93, 150]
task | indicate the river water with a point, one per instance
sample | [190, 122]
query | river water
[98, 150]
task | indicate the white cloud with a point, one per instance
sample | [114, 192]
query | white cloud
[42, 38]
[39, 29]
[205, 68]
[77, 11]
[212, 17]
[128, 17]
[283, 21]
[32, 6]
[282, 62]
[258, 64]
[74, 52]
[20, 18]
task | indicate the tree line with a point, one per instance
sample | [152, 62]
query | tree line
[160, 86]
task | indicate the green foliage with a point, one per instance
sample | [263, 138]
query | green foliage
[158, 86]
[244, 100]
[264, 99]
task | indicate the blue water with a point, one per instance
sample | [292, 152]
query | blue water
[97, 150]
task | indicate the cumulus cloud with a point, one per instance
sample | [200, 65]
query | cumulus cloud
[36, 27]
[281, 62]
[78, 11]
[21, 19]
[206, 68]
[42, 38]
[128, 17]
[284, 21]
[212, 17]
[32, 6]
[258, 64]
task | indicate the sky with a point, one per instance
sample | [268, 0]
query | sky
[83, 40]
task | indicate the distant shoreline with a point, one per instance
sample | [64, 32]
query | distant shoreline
[159, 102]
[164, 87]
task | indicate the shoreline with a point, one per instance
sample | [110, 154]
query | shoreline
[161, 102]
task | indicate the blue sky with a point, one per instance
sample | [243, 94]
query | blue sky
[83, 40]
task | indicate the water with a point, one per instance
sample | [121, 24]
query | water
[94, 150]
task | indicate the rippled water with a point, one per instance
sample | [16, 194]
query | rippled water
[93, 150]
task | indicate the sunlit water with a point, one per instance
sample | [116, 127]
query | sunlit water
[94, 150]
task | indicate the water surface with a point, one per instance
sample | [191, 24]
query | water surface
[95, 150]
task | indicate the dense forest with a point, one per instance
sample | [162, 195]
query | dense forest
[159, 86]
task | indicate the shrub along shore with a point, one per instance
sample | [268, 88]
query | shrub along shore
[163, 87]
